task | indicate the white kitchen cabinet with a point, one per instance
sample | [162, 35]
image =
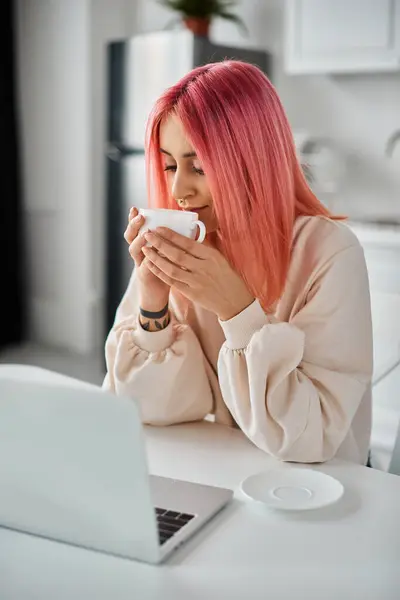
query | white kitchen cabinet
[381, 246]
[342, 36]
[385, 419]
[382, 253]
[386, 379]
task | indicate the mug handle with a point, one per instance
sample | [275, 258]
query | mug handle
[203, 231]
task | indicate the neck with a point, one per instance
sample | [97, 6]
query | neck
[211, 240]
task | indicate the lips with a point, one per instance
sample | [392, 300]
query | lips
[194, 209]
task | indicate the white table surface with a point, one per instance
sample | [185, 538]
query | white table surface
[348, 551]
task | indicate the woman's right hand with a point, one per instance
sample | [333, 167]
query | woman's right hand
[153, 293]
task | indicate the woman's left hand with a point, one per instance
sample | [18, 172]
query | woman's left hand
[199, 272]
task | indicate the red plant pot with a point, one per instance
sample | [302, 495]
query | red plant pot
[198, 26]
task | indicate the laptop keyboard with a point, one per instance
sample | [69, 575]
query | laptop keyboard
[170, 522]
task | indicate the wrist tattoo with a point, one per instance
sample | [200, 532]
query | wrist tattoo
[153, 325]
[154, 315]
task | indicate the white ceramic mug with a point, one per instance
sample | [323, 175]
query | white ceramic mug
[180, 221]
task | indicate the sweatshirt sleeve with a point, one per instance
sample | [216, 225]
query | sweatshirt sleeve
[294, 388]
[163, 371]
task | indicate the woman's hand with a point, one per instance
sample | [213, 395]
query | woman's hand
[199, 272]
[153, 292]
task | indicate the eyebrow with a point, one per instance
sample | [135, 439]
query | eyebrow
[186, 155]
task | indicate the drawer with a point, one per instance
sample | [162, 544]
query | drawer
[383, 266]
[384, 278]
[382, 254]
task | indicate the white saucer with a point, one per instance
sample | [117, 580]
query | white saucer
[292, 489]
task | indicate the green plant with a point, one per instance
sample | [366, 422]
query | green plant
[206, 9]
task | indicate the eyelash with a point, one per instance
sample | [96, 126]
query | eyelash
[173, 168]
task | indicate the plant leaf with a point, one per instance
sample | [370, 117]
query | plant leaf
[235, 19]
[228, 4]
[199, 8]
[168, 4]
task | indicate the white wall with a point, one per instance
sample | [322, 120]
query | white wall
[110, 20]
[357, 112]
[53, 59]
[61, 78]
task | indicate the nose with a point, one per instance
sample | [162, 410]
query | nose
[181, 188]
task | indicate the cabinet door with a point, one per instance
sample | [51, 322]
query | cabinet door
[385, 419]
[339, 36]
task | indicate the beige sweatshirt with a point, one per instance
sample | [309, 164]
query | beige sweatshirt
[297, 382]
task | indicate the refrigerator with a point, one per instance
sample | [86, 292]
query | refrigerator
[139, 69]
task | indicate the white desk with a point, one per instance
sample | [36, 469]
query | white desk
[348, 551]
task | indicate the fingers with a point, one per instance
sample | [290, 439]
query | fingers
[135, 249]
[170, 271]
[190, 246]
[178, 285]
[136, 221]
[173, 253]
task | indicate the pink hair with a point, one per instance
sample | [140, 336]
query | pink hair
[236, 123]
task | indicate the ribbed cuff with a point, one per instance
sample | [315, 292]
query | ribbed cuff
[240, 329]
[156, 341]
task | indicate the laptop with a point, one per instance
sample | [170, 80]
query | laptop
[73, 468]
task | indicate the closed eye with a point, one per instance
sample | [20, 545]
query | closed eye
[173, 169]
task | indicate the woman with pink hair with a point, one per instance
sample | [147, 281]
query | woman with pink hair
[266, 326]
